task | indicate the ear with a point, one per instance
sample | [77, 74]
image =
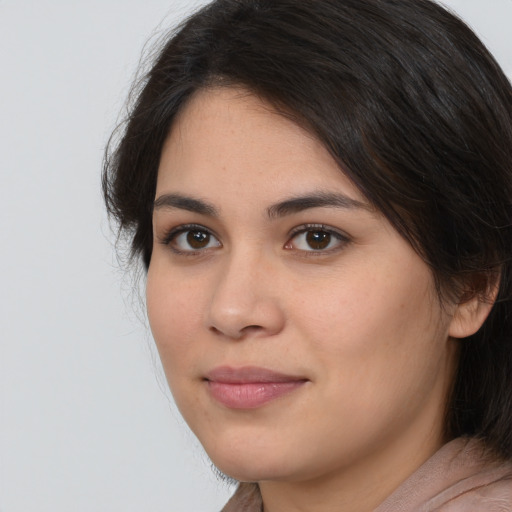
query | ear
[474, 308]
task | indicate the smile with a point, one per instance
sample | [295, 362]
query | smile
[249, 387]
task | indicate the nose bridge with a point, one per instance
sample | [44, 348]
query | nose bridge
[244, 300]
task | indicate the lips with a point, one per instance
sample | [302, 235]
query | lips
[249, 387]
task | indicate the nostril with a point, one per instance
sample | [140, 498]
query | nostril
[234, 334]
[252, 328]
[237, 334]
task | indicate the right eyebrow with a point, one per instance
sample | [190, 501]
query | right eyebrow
[182, 202]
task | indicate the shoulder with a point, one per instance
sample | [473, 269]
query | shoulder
[247, 497]
[492, 497]
[461, 477]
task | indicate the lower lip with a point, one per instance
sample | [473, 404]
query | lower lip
[250, 395]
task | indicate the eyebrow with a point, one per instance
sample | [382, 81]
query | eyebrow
[281, 209]
[316, 200]
[185, 203]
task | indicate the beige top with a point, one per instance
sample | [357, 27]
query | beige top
[460, 477]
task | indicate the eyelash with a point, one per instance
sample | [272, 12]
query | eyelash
[174, 233]
[341, 238]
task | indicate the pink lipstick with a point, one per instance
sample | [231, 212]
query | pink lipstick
[249, 387]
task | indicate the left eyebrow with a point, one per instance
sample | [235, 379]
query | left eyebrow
[316, 200]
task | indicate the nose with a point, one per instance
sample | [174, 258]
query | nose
[245, 301]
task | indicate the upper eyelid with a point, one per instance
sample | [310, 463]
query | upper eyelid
[319, 227]
[171, 233]
[342, 238]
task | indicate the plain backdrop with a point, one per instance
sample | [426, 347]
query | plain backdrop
[86, 422]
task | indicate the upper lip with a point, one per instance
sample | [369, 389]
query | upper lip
[248, 374]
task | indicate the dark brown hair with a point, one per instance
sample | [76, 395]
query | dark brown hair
[412, 106]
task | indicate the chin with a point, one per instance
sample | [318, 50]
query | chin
[247, 465]
[252, 472]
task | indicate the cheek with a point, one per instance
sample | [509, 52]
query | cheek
[379, 352]
[361, 310]
[376, 331]
[174, 315]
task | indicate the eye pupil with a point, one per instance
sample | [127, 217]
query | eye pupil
[198, 239]
[318, 239]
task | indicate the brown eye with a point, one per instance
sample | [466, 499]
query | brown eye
[198, 239]
[192, 240]
[318, 240]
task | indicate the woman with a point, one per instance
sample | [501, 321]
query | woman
[320, 194]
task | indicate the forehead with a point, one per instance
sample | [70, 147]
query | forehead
[230, 136]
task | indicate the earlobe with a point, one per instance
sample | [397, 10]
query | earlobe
[471, 313]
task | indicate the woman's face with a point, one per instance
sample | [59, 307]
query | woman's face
[300, 334]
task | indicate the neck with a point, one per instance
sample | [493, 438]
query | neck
[359, 486]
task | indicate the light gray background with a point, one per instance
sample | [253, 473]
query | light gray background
[86, 422]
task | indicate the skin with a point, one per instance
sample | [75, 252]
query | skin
[359, 321]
